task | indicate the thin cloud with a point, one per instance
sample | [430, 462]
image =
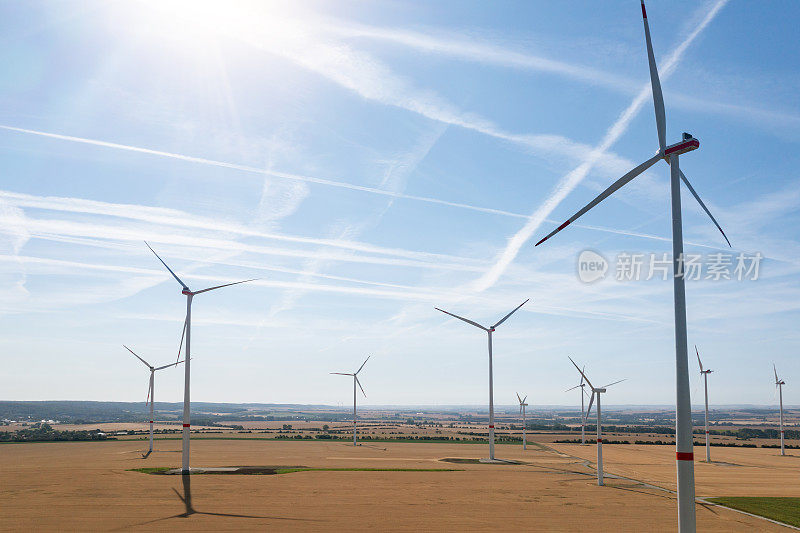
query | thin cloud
[260, 171]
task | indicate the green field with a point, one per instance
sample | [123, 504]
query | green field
[786, 510]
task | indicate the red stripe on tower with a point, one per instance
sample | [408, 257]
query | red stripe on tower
[684, 456]
[491, 427]
[186, 425]
[600, 441]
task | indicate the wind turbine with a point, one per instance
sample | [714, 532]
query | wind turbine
[705, 374]
[581, 385]
[488, 330]
[522, 406]
[151, 390]
[596, 391]
[355, 381]
[187, 332]
[779, 383]
[683, 424]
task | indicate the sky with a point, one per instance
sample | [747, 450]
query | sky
[369, 161]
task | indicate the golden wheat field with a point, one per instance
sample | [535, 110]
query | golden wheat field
[90, 486]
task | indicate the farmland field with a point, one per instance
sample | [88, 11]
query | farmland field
[92, 486]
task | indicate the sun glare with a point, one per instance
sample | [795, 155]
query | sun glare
[195, 23]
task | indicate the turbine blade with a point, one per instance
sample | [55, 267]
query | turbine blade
[582, 374]
[773, 369]
[362, 365]
[511, 313]
[169, 365]
[591, 400]
[462, 318]
[525, 399]
[149, 388]
[582, 371]
[605, 194]
[137, 357]
[341, 374]
[699, 201]
[168, 268]
[698, 358]
[360, 387]
[620, 381]
[573, 388]
[518, 398]
[655, 83]
[226, 285]
[183, 333]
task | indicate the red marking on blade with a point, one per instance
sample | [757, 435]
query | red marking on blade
[187, 425]
[684, 456]
[540, 242]
[564, 225]
[644, 13]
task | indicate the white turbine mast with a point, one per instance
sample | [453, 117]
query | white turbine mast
[522, 406]
[705, 374]
[779, 383]
[489, 331]
[581, 386]
[355, 382]
[151, 390]
[683, 424]
[596, 391]
[187, 333]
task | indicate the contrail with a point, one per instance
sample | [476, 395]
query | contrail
[264, 172]
[568, 183]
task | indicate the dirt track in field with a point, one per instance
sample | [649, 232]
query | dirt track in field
[732, 472]
[87, 486]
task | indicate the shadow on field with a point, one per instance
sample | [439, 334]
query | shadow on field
[186, 498]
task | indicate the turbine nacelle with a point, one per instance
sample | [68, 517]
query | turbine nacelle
[688, 144]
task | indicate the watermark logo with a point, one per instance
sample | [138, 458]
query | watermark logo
[638, 266]
[591, 266]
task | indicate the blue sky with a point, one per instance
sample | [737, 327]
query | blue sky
[369, 161]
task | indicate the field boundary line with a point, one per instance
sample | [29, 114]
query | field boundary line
[784, 524]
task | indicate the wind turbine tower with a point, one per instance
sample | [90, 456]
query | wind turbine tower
[488, 330]
[187, 331]
[779, 383]
[522, 406]
[596, 391]
[581, 385]
[151, 390]
[684, 440]
[705, 374]
[355, 381]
